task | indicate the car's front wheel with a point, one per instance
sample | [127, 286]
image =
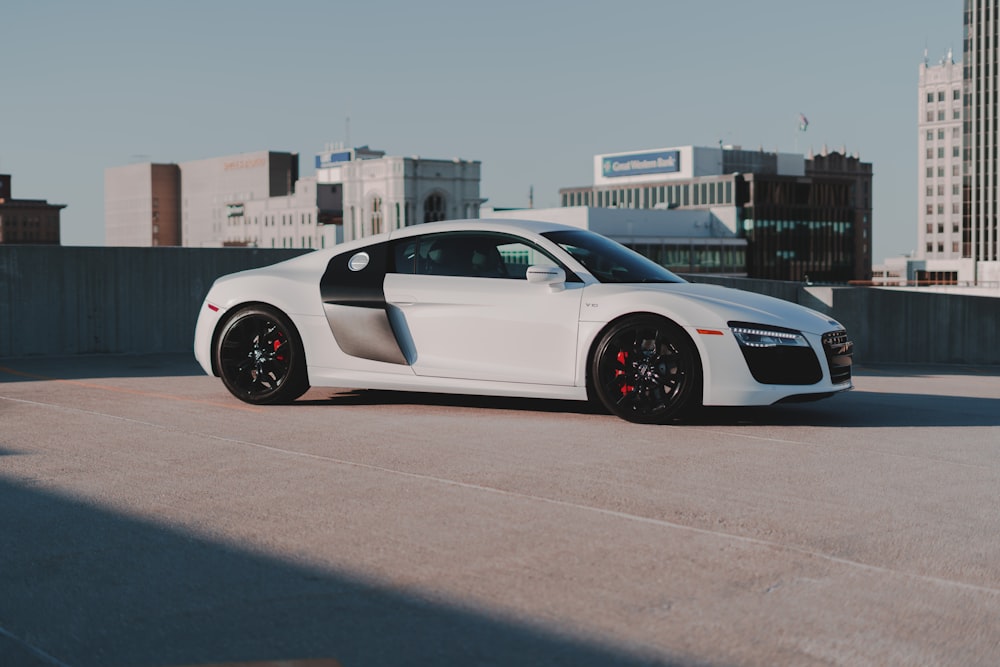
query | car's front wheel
[645, 369]
[260, 357]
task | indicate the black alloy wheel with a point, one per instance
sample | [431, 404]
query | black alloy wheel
[646, 370]
[260, 358]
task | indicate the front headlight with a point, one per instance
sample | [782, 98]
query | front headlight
[760, 336]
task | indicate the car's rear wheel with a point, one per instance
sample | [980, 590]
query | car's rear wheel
[260, 357]
[645, 369]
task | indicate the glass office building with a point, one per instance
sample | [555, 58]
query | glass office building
[802, 218]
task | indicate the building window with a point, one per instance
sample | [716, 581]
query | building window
[940, 190]
[956, 94]
[954, 151]
[941, 133]
[930, 227]
[956, 114]
[940, 114]
[930, 209]
[377, 215]
[954, 246]
[940, 172]
[940, 228]
[930, 172]
[930, 153]
[434, 208]
[930, 98]
[930, 190]
[940, 152]
[930, 116]
[954, 170]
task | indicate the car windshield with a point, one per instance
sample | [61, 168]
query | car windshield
[608, 261]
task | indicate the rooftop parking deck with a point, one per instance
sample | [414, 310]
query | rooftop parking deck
[152, 519]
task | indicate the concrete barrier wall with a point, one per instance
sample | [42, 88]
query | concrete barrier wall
[905, 327]
[893, 326]
[63, 300]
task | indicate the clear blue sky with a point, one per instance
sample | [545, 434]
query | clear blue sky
[531, 89]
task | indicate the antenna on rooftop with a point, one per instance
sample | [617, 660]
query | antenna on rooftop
[347, 131]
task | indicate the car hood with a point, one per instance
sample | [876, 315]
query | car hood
[725, 304]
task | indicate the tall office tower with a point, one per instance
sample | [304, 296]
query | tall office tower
[981, 196]
[939, 160]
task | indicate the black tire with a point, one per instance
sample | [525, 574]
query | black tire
[646, 370]
[260, 358]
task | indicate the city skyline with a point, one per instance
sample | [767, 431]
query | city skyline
[532, 91]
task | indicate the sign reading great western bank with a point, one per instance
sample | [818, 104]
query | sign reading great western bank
[641, 163]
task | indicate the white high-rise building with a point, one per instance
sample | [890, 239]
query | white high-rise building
[981, 214]
[959, 167]
[940, 160]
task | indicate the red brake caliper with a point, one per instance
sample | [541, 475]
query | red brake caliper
[277, 344]
[622, 359]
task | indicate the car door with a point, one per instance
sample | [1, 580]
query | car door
[463, 308]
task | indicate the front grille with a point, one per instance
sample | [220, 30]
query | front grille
[839, 355]
[783, 365]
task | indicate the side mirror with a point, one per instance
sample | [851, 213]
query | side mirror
[553, 276]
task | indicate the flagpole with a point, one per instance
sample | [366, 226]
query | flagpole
[803, 126]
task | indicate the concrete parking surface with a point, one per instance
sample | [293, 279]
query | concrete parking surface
[148, 518]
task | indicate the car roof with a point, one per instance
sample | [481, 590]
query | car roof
[509, 225]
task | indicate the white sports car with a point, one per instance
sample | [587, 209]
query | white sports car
[512, 308]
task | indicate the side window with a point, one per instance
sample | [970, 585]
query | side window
[470, 255]
[406, 256]
[519, 256]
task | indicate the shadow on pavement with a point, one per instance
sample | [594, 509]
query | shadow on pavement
[359, 397]
[863, 409]
[86, 587]
[859, 409]
[850, 409]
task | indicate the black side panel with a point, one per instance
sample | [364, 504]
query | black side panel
[363, 288]
[354, 303]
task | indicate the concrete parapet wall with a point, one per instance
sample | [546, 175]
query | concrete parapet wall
[892, 326]
[904, 327]
[64, 301]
